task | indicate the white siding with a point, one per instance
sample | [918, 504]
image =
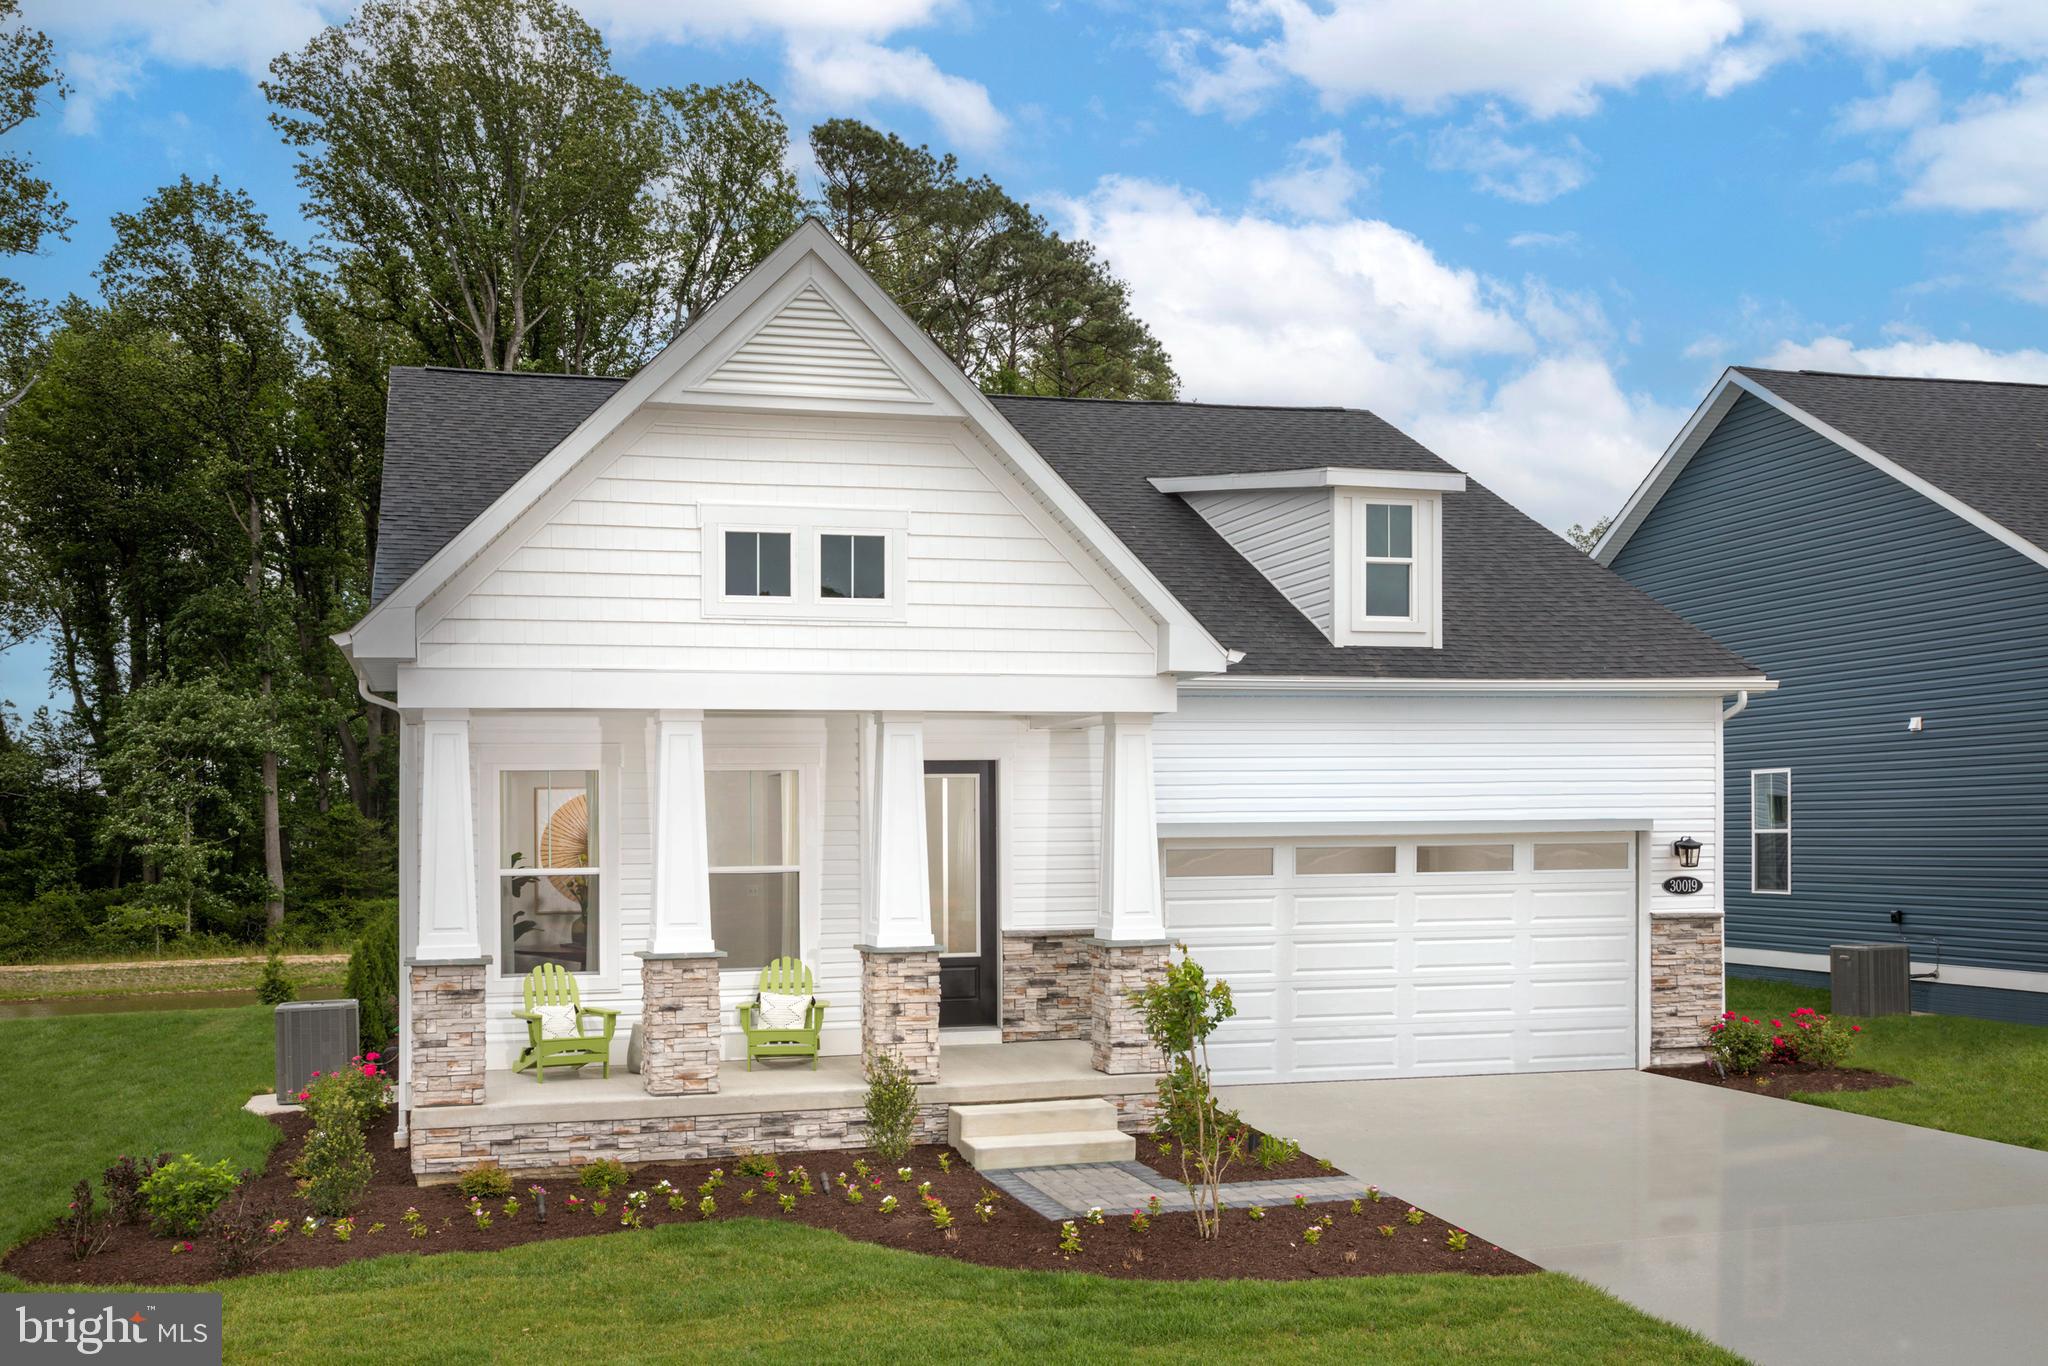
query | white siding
[1057, 831]
[613, 578]
[809, 348]
[1286, 536]
[1529, 762]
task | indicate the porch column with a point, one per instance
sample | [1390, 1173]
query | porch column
[445, 975]
[899, 977]
[680, 1027]
[1130, 944]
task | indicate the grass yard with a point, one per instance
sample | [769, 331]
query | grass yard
[92, 1087]
[86, 1088]
[1985, 1078]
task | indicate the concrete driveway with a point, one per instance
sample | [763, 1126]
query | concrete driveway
[1785, 1232]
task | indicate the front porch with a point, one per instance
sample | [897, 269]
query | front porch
[529, 1127]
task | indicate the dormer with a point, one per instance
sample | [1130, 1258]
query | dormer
[1359, 552]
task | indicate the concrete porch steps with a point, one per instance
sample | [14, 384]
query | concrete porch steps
[1041, 1133]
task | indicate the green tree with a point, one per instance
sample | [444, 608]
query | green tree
[488, 161]
[29, 207]
[1587, 537]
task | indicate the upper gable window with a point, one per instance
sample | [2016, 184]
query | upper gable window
[757, 564]
[851, 566]
[1390, 560]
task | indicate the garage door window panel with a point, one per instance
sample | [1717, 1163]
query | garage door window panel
[1345, 860]
[1566, 856]
[1465, 858]
[1229, 862]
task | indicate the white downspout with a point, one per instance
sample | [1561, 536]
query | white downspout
[1741, 702]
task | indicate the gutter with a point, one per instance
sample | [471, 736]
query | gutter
[1284, 683]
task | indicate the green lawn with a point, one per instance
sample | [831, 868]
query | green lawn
[1984, 1078]
[83, 1089]
[91, 1087]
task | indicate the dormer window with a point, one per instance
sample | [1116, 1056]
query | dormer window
[1359, 552]
[1390, 561]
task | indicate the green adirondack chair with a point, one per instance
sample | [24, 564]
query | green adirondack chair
[786, 977]
[551, 985]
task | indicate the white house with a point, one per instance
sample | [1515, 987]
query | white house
[794, 643]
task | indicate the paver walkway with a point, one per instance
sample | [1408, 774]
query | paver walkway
[1113, 1187]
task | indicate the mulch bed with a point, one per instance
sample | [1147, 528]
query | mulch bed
[1267, 1249]
[1244, 1169]
[1785, 1079]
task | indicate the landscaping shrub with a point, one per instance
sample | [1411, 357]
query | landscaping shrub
[1181, 1011]
[603, 1175]
[891, 1105]
[485, 1181]
[754, 1166]
[334, 1167]
[276, 986]
[1815, 1039]
[1740, 1044]
[373, 978]
[180, 1193]
[1274, 1151]
[85, 1226]
[122, 1183]
[240, 1232]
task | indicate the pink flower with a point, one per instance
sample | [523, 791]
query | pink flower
[1777, 1024]
[1855, 1029]
[304, 1094]
[372, 1056]
[1779, 1041]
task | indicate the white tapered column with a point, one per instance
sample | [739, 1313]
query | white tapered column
[444, 1022]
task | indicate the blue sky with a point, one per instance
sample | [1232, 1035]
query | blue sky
[1530, 234]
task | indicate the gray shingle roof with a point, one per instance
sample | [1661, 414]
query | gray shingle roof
[1982, 442]
[1519, 602]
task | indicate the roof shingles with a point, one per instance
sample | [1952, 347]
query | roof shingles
[1519, 603]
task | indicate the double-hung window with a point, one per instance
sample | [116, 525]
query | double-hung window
[1770, 830]
[1390, 560]
[753, 835]
[549, 867]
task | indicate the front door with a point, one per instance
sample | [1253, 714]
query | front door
[960, 837]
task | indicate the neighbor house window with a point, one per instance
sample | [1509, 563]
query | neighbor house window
[1245, 862]
[549, 867]
[1389, 560]
[751, 824]
[853, 566]
[1770, 830]
[757, 564]
[1464, 858]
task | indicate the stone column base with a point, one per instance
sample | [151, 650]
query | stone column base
[446, 1037]
[1115, 1029]
[899, 1007]
[1686, 979]
[680, 1029]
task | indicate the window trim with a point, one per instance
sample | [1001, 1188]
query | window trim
[1785, 830]
[806, 527]
[1423, 627]
[492, 762]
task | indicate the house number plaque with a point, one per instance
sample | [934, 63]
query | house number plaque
[1682, 886]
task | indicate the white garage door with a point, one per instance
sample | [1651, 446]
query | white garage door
[1413, 957]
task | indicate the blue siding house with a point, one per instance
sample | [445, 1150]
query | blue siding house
[1880, 547]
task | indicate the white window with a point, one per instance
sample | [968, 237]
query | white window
[853, 566]
[751, 821]
[549, 870]
[1770, 830]
[757, 564]
[1245, 862]
[1389, 561]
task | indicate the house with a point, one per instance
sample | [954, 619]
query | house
[1880, 546]
[795, 643]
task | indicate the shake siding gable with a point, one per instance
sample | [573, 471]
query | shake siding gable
[614, 577]
[1286, 535]
[1871, 605]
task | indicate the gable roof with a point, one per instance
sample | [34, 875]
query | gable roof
[1977, 447]
[1519, 601]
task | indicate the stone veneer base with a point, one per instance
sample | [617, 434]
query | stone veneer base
[1046, 976]
[1115, 1029]
[680, 1029]
[899, 1007]
[446, 1031]
[439, 1155]
[1686, 986]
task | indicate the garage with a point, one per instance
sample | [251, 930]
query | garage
[1425, 956]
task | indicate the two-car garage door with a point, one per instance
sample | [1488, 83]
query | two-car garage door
[1413, 957]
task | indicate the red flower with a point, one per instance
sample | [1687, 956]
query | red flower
[1855, 1029]
[372, 1056]
[1779, 1041]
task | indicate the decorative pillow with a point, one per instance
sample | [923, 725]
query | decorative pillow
[558, 1022]
[776, 1011]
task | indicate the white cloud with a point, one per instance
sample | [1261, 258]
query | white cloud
[97, 77]
[240, 35]
[1520, 172]
[1924, 357]
[676, 21]
[857, 73]
[1558, 58]
[1526, 241]
[1359, 312]
[1907, 104]
[1317, 182]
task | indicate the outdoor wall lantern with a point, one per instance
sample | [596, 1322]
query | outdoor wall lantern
[1687, 851]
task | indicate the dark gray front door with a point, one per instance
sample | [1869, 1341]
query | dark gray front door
[960, 840]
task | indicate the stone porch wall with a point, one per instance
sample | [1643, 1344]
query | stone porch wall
[439, 1154]
[1045, 984]
[899, 1007]
[1686, 977]
[1115, 1029]
[447, 1032]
